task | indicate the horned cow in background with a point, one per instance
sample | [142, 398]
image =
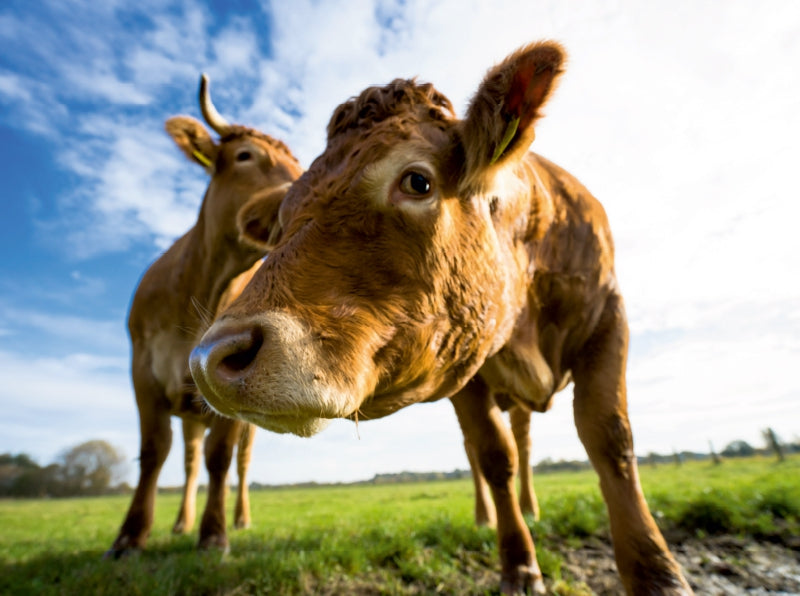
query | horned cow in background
[172, 306]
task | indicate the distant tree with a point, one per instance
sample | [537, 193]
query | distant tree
[39, 482]
[773, 442]
[90, 468]
[739, 449]
[715, 458]
[20, 460]
[13, 468]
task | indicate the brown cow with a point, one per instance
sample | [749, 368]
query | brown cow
[170, 309]
[423, 257]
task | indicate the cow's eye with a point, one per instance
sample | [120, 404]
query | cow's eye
[414, 183]
[244, 155]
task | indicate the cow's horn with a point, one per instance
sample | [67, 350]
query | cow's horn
[210, 113]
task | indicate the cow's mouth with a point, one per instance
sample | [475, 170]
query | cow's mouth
[294, 423]
[301, 426]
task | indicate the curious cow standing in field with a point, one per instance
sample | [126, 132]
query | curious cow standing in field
[170, 309]
[423, 257]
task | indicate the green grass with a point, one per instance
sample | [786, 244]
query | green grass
[387, 539]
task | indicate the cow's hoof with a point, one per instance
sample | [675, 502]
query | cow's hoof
[214, 543]
[113, 554]
[241, 524]
[523, 580]
[485, 520]
[180, 528]
[675, 587]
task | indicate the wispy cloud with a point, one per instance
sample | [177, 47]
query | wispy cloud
[121, 83]
[82, 395]
[38, 329]
[135, 183]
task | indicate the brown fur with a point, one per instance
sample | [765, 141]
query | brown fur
[172, 306]
[424, 257]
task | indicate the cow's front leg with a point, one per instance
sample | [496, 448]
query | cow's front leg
[192, 451]
[644, 562]
[156, 439]
[483, 426]
[220, 442]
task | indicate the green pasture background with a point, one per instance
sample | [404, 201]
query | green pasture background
[412, 538]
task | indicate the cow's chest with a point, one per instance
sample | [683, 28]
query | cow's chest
[521, 370]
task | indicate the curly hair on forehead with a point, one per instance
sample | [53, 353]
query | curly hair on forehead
[375, 104]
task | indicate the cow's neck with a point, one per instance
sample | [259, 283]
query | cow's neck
[214, 259]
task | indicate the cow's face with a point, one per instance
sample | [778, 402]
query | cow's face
[243, 164]
[247, 163]
[402, 263]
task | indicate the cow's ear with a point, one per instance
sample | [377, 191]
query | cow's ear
[258, 221]
[499, 122]
[193, 139]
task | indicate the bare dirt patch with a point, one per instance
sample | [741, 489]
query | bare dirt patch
[714, 566]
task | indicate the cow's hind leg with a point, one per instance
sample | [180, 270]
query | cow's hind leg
[520, 418]
[156, 439]
[220, 443]
[192, 451]
[244, 453]
[484, 506]
[482, 421]
[644, 562]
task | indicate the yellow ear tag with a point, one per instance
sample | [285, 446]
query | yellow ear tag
[201, 158]
[511, 130]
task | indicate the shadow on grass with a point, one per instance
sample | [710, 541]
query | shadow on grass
[451, 558]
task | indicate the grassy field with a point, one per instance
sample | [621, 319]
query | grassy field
[387, 539]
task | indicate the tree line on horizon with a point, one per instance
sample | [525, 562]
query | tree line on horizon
[88, 469]
[96, 468]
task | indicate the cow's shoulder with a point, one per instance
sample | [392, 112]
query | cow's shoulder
[160, 290]
[573, 264]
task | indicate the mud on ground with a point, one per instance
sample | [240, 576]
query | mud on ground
[714, 566]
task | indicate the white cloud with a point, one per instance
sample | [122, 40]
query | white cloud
[132, 186]
[699, 388]
[13, 88]
[81, 395]
[30, 104]
[79, 332]
[136, 186]
[86, 285]
[100, 84]
[235, 48]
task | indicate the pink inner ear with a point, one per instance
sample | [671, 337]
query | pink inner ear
[528, 90]
[519, 86]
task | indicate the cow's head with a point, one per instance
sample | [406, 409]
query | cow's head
[402, 263]
[244, 165]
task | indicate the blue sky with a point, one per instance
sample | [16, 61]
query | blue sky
[680, 117]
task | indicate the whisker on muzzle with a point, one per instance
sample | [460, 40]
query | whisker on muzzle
[203, 313]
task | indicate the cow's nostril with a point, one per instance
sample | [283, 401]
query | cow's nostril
[246, 350]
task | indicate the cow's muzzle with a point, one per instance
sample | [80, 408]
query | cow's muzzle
[267, 370]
